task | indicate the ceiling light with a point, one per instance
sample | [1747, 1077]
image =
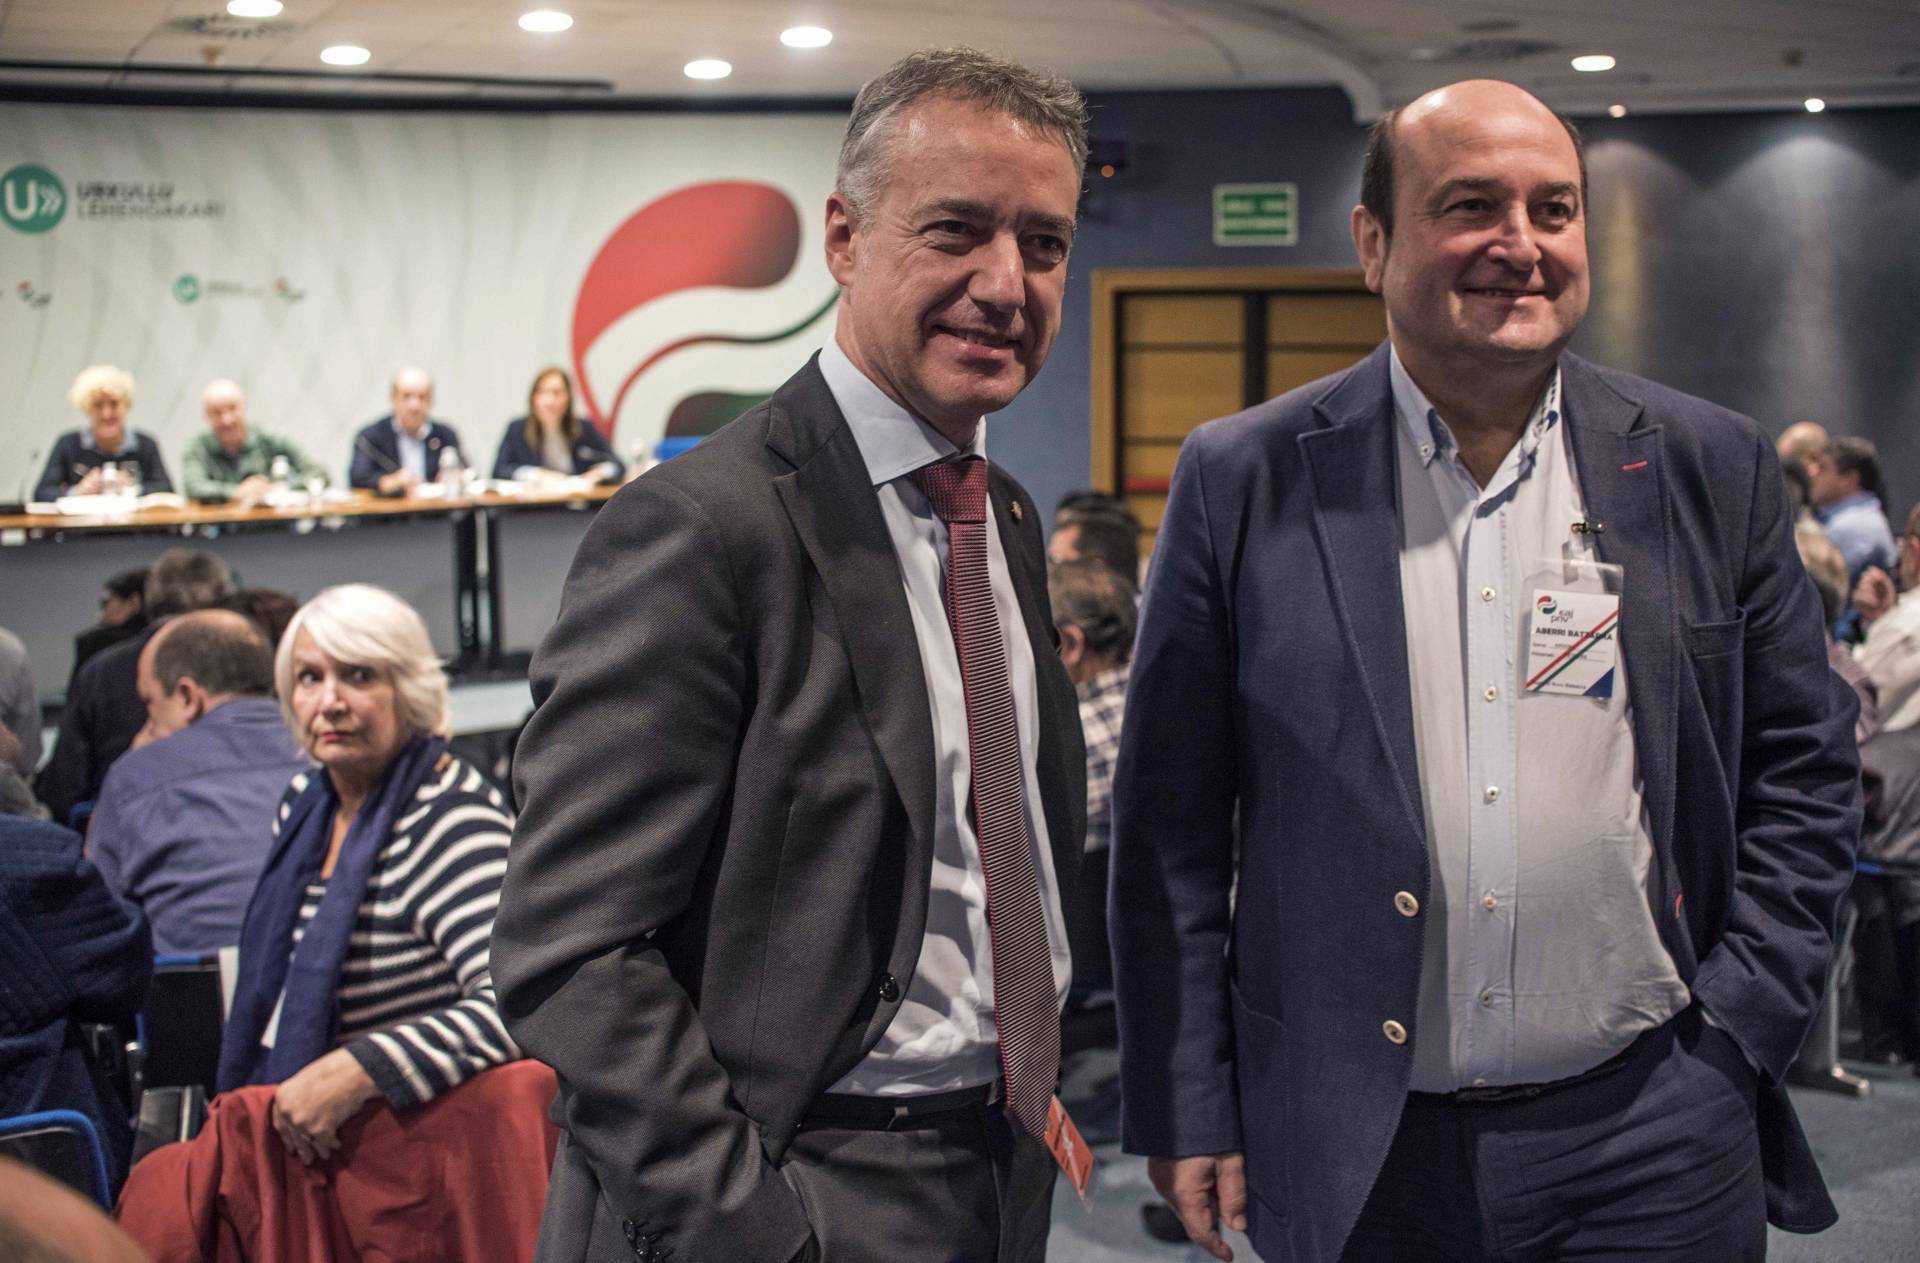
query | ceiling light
[806, 37]
[345, 55]
[1815, 105]
[1589, 63]
[255, 8]
[1617, 111]
[708, 68]
[545, 21]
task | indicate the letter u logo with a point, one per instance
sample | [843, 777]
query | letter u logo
[22, 210]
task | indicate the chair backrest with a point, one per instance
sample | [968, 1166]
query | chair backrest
[180, 1026]
[60, 1143]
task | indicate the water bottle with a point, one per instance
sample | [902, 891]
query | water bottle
[452, 474]
[281, 476]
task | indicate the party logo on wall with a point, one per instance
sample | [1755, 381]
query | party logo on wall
[186, 287]
[688, 300]
[32, 199]
[32, 295]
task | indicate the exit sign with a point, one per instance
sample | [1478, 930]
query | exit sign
[1256, 214]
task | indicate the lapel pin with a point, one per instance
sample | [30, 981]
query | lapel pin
[1013, 507]
[1627, 469]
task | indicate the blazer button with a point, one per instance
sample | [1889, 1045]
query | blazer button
[1408, 905]
[889, 988]
[1394, 1031]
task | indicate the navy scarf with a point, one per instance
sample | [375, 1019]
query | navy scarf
[309, 975]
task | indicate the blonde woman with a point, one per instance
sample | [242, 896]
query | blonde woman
[105, 395]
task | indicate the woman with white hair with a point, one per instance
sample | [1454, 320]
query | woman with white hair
[364, 953]
[105, 394]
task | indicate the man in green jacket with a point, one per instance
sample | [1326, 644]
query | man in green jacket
[231, 461]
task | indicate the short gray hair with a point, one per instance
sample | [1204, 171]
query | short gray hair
[1039, 100]
[371, 627]
[183, 579]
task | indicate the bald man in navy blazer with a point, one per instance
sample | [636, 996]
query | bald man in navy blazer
[1423, 952]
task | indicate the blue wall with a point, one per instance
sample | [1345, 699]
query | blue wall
[1770, 262]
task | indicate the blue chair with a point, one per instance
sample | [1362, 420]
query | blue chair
[63, 1144]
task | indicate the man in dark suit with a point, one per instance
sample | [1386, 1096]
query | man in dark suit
[784, 905]
[104, 710]
[1442, 933]
[403, 449]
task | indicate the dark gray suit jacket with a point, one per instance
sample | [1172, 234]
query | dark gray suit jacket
[1271, 675]
[718, 883]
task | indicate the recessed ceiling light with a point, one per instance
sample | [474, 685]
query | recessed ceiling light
[1815, 105]
[1617, 111]
[806, 37]
[255, 8]
[345, 55]
[708, 68]
[545, 21]
[1589, 63]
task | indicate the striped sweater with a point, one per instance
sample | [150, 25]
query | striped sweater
[416, 995]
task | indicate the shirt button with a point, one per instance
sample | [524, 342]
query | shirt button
[1492, 693]
[1407, 904]
[1486, 999]
[1486, 594]
[1394, 1031]
[1493, 793]
[1489, 902]
[1479, 1083]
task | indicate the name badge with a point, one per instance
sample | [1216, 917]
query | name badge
[1069, 1149]
[1573, 642]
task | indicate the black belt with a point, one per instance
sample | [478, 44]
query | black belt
[1505, 1093]
[841, 1112]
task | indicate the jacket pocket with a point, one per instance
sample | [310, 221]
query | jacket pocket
[1717, 640]
[1260, 1063]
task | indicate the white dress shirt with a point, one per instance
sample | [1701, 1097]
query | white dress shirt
[1542, 958]
[413, 451]
[943, 1036]
[1891, 656]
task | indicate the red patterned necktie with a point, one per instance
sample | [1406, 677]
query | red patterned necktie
[1025, 1003]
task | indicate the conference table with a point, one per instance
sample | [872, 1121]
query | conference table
[447, 555]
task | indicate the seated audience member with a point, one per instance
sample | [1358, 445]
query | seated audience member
[364, 955]
[1890, 1004]
[1095, 611]
[232, 460]
[269, 609]
[1828, 570]
[182, 824]
[19, 707]
[44, 1221]
[1094, 524]
[1800, 442]
[403, 449]
[105, 394]
[123, 615]
[74, 954]
[104, 711]
[552, 440]
[1891, 652]
[1850, 501]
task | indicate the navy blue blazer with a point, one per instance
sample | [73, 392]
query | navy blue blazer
[1271, 675]
[590, 449]
[71, 459]
[376, 452]
[75, 953]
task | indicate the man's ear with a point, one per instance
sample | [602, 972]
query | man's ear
[842, 253]
[1370, 242]
[1073, 645]
[193, 698]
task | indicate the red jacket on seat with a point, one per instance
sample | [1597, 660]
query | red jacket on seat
[461, 1179]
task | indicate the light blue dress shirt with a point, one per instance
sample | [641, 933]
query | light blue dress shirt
[943, 1036]
[1542, 956]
